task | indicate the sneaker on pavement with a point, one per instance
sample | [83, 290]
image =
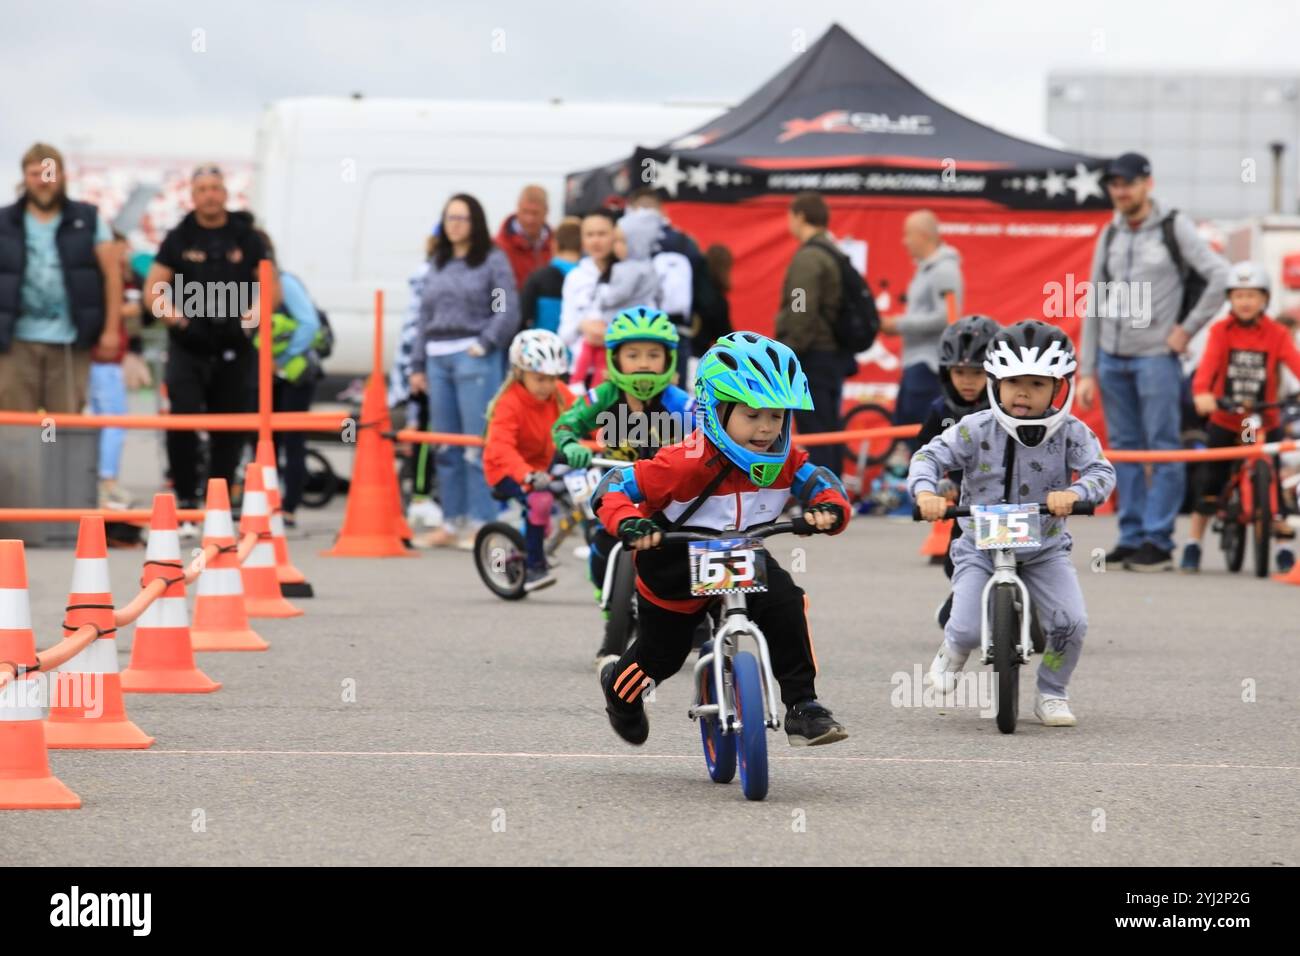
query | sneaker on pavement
[1120, 554]
[1054, 712]
[537, 578]
[628, 720]
[423, 512]
[1285, 560]
[437, 538]
[1149, 558]
[604, 659]
[1191, 562]
[945, 667]
[810, 724]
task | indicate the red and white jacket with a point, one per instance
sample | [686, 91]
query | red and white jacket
[663, 487]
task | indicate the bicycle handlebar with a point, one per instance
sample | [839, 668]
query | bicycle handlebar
[796, 525]
[1228, 405]
[1081, 508]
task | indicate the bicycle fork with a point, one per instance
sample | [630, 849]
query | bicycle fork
[1004, 572]
[735, 626]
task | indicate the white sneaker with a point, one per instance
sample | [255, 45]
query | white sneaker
[606, 659]
[1054, 712]
[188, 529]
[423, 512]
[945, 667]
[581, 552]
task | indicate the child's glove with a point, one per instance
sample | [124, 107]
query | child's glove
[828, 508]
[634, 532]
[538, 481]
[577, 455]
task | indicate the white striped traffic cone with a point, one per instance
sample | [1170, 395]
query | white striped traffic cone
[220, 621]
[162, 658]
[87, 709]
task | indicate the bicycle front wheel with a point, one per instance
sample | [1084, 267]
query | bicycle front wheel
[1006, 657]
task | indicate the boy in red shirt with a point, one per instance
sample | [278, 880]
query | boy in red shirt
[518, 452]
[1240, 364]
[738, 470]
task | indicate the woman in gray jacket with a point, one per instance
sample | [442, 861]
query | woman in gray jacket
[468, 313]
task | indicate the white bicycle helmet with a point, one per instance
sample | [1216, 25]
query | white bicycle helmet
[1247, 275]
[1031, 348]
[536, 350]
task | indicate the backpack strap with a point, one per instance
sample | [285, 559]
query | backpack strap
[1171, 243]
[1106, 238]
[704, 495]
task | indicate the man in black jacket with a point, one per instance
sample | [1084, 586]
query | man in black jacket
[203, 286]
[60, 291]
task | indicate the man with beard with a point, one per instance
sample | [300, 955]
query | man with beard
[60, 291]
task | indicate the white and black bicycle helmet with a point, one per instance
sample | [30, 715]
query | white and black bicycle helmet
[537, 350]
[1031, 347]
[964, 344]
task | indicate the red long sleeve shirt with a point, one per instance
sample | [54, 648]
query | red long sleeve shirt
[1241, 364]
[519, 434]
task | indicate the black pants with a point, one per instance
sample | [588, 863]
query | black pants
[825, 371]
[198, 384]
[664, 639]
[291, 447]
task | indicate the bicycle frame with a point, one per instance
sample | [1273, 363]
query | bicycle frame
[1004, 572]
[735, 626]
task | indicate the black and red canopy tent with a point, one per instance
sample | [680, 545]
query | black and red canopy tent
[842, 122]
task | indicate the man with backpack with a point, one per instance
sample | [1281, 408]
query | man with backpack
[1155, 283]
[938, 275]
[827, 316]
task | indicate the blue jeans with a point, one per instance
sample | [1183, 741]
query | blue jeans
[108, 397]
[460, 387]
[1140, 398]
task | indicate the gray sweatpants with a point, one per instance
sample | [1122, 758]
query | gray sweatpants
[1053, 591]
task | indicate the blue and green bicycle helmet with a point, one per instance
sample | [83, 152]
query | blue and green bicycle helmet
[750, 369]
[641, 324]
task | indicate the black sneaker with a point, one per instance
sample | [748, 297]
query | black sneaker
[1120, 554]
[537, 578]
[1150, 558]
[628, 720]
[809, 724]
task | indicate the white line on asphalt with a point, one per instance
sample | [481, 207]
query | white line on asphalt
[506, 755]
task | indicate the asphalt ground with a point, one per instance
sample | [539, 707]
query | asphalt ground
[410, 717]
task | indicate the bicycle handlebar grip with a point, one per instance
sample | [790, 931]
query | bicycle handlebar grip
[1083, 508]
[799, 525]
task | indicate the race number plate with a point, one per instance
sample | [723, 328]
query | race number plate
[1006, 526]
[728, 566]
[581, 482]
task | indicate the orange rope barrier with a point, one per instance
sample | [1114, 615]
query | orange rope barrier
[60, 653]
[76, 514]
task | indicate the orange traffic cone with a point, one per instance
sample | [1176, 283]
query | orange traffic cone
[26, 782]
[293, 583]
[88, 711]
[220, 621]
[373, 526]
[936, 545]
[162, 659]
[262, 597]
[1291, 577]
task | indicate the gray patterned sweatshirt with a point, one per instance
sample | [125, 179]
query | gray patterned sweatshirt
[977, 446]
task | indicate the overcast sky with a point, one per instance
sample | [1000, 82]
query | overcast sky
[126, 77]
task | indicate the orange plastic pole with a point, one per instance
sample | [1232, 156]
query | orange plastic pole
[76, 514]
[264, 352]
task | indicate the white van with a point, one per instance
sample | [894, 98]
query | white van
[349, 189]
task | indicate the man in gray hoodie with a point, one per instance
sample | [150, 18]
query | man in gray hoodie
[938, 272]
[1136, 326]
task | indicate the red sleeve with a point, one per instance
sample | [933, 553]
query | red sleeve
[1210, 371]
[501, 458]
[1287, 351]
[648, 489]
